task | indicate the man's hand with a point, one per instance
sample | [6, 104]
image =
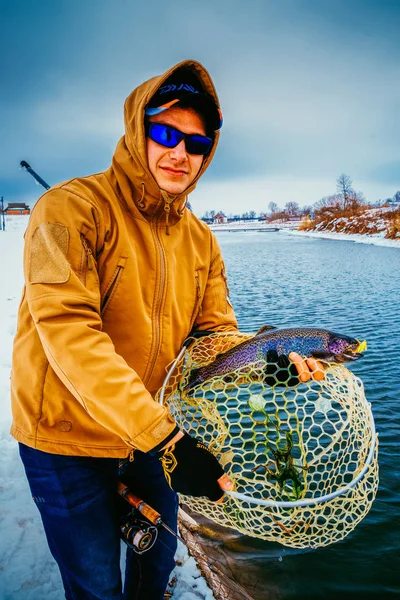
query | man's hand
[307, 368]
[291, 370]
[191, 469]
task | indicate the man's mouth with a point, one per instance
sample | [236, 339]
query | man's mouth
[174, 172]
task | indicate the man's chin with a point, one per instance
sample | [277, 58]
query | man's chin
[173, 188]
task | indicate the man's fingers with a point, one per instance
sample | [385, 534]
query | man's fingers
[307, 368]
[301, 366]
[225, 484]
[316, 368]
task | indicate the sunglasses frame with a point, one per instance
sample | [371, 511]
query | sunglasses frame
[188, 137]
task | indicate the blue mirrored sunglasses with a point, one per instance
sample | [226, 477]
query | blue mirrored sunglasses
[170, 137]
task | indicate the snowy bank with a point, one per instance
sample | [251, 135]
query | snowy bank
[375, 239]
[290, 227]
[254, 225]
[27, 569]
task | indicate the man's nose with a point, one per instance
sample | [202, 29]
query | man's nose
[179, 152]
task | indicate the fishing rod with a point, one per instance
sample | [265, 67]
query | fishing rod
[141, 537]
[37, 177]
[138, 537]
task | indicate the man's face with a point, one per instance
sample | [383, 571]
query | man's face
[173, 168]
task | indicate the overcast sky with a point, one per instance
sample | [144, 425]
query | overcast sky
[309, 89]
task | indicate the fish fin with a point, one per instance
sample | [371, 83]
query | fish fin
[327, 356]
[265, 328]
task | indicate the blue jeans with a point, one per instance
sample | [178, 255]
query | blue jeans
[80, 509]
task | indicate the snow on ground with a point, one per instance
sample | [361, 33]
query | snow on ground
[376, 239]
[27, 569]
[254, 225]
[290, 227]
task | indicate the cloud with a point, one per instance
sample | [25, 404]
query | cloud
[308, 90]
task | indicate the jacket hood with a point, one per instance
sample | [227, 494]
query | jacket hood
[137, 187]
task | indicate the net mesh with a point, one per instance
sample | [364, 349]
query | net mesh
[212, 563]
[279, 444]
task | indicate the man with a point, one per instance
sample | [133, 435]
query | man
[118, 272]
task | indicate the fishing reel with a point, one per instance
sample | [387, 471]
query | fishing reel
[139, 535]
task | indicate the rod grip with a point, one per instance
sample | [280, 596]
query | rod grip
[147, 511]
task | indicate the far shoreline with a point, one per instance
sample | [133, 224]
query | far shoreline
[289, 228]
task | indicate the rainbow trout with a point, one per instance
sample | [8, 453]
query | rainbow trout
[308, 342]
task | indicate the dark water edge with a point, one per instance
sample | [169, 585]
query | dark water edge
[350, 288]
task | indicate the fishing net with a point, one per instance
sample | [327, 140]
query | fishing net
[212, 562]
[303, 458]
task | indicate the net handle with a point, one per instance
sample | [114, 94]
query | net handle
[164, 387]
[294, 503]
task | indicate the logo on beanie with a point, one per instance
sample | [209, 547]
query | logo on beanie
[182, 87]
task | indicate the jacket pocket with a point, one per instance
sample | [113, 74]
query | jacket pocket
[197, 310]
[227, 293]
[112, 286]
[87, 260]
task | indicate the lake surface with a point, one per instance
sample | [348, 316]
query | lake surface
[290, 281]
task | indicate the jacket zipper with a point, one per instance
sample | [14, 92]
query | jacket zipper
[109, 292]
[155, 347]
[197, 307]
[130, 458]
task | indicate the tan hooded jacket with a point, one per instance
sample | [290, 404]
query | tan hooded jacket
[109, 298]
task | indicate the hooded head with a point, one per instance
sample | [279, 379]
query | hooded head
[187, 86]
[183, 89]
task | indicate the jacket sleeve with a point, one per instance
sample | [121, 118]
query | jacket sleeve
[216, 313]
[63, 292]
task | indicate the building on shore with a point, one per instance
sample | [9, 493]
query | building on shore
[220, 218]
[17, 208]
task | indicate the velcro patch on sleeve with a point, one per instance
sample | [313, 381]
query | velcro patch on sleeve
[48, 262]
[161, 430]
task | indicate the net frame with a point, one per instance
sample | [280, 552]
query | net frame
[291, 511]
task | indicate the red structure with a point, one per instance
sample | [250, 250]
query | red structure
[17, 208]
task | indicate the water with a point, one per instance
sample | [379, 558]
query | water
[352, 288]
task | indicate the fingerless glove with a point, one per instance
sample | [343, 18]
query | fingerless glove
[280, 370]
[191, 469]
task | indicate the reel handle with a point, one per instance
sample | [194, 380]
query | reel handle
[147, 511]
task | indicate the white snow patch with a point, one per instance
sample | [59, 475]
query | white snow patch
[374, 239]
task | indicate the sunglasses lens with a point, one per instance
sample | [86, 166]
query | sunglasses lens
[169, 137]
[164, 135]
[198, 144]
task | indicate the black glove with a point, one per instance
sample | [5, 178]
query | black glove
[191, 469]
[280, 370]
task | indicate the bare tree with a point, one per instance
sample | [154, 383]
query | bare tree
[292, 209]
[273, 207]
[252, 214]
[333, 202]
[357, 199]
[306, 210]
[344, 188]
